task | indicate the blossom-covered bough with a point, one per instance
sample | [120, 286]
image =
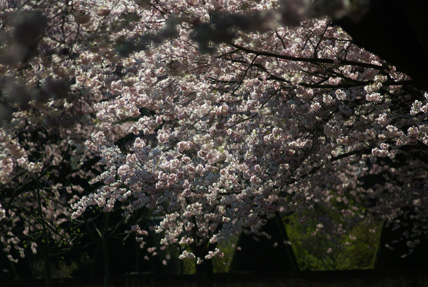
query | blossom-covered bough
[215, 115]
[233, 121]
[41, 111]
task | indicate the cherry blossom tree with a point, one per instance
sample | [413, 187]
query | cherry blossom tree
[235, 116]
[46, 113]
[216, 115]
[41, 115]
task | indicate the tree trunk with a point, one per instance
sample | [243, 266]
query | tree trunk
[204, 271]
[204, 274]
[271, 255]
[393, 250]
[106, 254]
[47, 272]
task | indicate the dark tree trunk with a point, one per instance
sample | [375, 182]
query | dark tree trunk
[204, 274]
[47, 272]
[393, 250]
[204, 271]
[106, 253]
[266, 255]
